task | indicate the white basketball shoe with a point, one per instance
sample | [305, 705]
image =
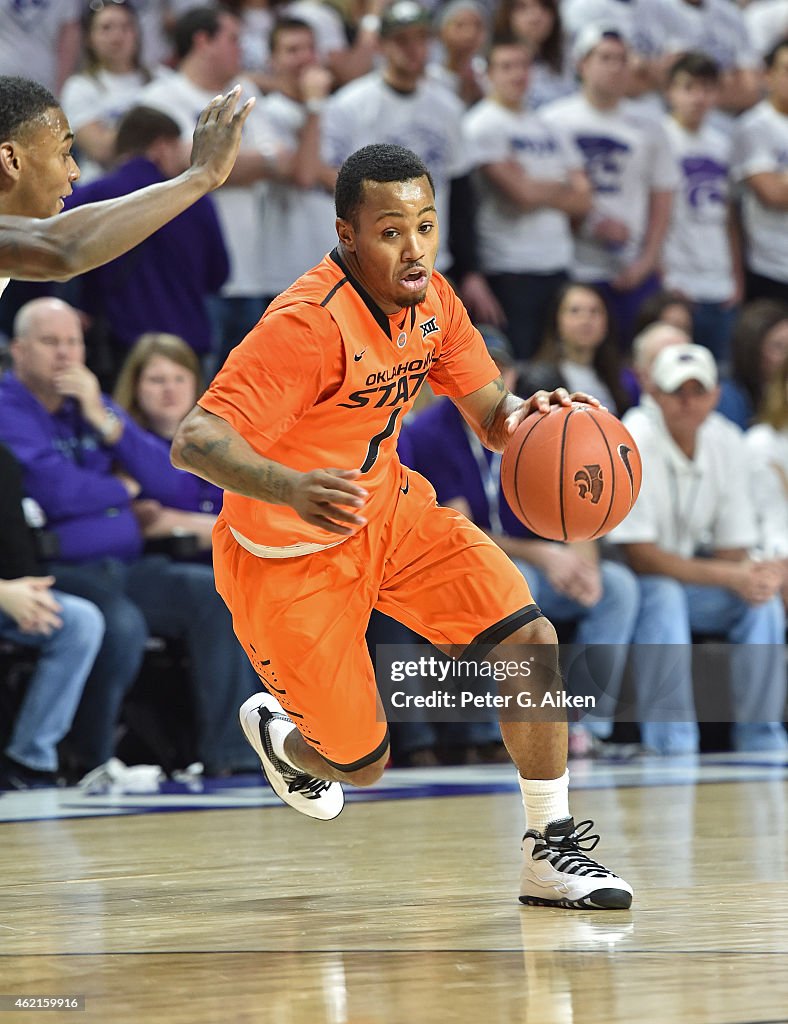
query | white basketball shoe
[558, 873]
[313, 797]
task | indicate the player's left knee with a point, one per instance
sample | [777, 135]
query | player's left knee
[369, 774]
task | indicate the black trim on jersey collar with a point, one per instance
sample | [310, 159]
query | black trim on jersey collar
[333, 291]
[380, 317]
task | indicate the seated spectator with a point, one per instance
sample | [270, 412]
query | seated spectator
[689, 539]
[579, 351]
[108, 85]
[66, 631]
[158, 385]
[84, 462]
[702, 253]
[760, 345]
[164, 282]
[537, 23]
[462, 30]
[767, 443]
[530, 186]
[646, 346]
[569, 582]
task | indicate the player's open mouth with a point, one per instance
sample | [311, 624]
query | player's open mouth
[415, 279]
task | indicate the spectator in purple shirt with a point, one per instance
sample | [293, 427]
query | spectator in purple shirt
[162, 284]
[159, 383]
[84, 462]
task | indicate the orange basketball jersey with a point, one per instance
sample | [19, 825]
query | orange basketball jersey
[324, 381]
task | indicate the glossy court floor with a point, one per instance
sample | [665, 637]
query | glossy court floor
[217, 905]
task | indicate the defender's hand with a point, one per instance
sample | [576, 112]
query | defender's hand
[218, 136]
[323, 496]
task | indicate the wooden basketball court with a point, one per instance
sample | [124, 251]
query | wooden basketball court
[218, 906]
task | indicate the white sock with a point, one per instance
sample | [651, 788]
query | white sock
[279, 731]
[545, 801]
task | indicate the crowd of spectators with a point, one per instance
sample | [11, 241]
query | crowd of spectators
[612, 186]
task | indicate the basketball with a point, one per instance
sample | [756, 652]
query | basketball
[571, 474]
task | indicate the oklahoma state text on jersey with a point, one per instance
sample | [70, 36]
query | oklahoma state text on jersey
[324, 381]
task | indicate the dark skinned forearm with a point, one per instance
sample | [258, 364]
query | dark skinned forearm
[493, 433]
[209, 447]
[72, 243]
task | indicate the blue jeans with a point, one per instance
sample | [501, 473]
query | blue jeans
[53, 693]
[669, 613]
[712, 326]
[601, 639]
[169, 599]
[526, 300]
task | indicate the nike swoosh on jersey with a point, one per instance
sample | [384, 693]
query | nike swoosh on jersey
[358, 355]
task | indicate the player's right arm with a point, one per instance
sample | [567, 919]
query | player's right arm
[59, 247]
[208, 446]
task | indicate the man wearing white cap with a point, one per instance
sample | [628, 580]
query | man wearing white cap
[632, 171]
[690, 538]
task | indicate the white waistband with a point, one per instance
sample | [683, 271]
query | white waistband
[290, 551]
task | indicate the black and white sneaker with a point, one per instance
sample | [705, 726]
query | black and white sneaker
[558, 873]
[313, 797]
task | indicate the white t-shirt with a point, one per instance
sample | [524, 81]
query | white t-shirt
[240, 208]
[697, 255]
[427, 121]
[298, 224]
[512, 240]
[626, 156]
[545, 85]
[767, 22]
[29, 32]
[103, 97]
[4, 284]
[639, 21]
[760, 145]
[714, 27]
[690, 505]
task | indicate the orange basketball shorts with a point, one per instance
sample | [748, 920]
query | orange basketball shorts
[302, 620]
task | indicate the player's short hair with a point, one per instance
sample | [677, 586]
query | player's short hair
[771, 56]
[284, 24]
[198, 19]
[21, 103]
[140, 127]
[696, 65]
[379, 162]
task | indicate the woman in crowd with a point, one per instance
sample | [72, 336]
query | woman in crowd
[159, 383]
[760, 345]
[113, 75]
[538, 24]
[579, 352]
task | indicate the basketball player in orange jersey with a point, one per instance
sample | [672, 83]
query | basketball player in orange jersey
[302, 552]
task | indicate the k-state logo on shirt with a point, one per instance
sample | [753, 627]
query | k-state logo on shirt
[704, 181]
[604, 165]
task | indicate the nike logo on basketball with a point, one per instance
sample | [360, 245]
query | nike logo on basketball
[359, 355]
